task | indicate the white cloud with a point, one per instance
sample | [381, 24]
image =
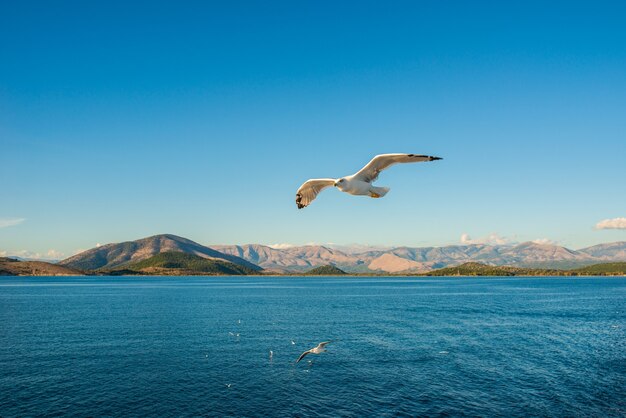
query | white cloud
[491, 239]
[281, 246]
[545, 241]
[285, 245]
[4, 222]
[32, 255]
[466, 239]
[54, 255]
[346, 248]
[21, 254]
[615, 223]
[357, 248]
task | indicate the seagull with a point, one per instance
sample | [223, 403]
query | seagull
[316, 350]
[360, 183]
[293, 342]
[271, 354]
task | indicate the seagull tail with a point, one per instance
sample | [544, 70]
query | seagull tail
[379, 191]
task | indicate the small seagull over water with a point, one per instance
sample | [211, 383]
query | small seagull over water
[360, 183]
[316, 350]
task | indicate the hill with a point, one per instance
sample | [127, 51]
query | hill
[603, 269]
[325, 271]
[178, 264]
[479, 269]
[110, 256]
[13, 267]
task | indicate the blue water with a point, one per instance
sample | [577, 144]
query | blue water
[163, 346]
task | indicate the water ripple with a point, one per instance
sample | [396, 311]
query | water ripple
[402, 347]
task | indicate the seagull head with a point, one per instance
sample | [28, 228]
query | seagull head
[339, 183]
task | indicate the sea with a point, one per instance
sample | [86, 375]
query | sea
[200, 346]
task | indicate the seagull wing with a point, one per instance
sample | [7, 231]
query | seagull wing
[303, 355]
[310, 189]
[324, 344]
[370, 172]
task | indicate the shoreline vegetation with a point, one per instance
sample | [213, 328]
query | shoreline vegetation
[182, 264]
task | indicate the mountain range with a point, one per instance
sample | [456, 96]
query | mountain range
[303, 258]
[422, 259]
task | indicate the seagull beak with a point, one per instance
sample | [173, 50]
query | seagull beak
[335, 184]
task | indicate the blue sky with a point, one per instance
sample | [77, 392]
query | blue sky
[120, 120]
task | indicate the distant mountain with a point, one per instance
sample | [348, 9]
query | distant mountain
[421, 259]
[611, 251]
[254, 253]
[392, 263]
[296, 259]
[10, 266]
[177, 263]
[110, 256]
[528, 253]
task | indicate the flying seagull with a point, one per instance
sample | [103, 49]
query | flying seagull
[316, 350]
[360, 183]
